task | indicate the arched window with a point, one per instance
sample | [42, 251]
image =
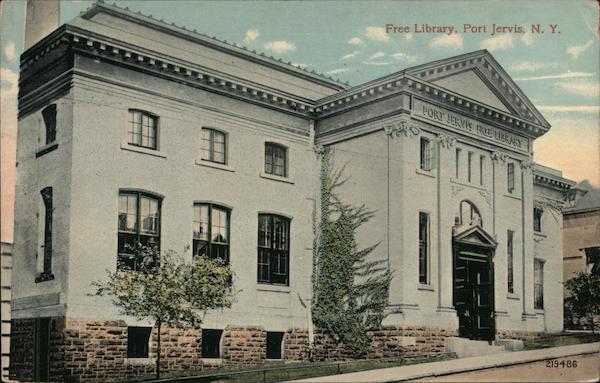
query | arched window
[469, 215]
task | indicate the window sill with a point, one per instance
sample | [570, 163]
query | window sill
[513, 196]
[214, 165]
[425, 287]
[276, 178]
[540, 234]
[468, 184]
[512, 296]
[274, 288]
[140, 361]
[43, 277]
[212, 361]
[46, 149]
[540, 312]
[423, 172]
[139, 149]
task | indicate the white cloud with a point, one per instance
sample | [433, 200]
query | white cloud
[377, 62]
[377, 34]
[337, 71]
[355, 41]
[567, 74]
[299, 65]
[251, 35]
[527, 39]
[576, 50]
[377, 55]
[280, 46]
[350, 56]
[589, 89]
[10, 51]
[9, 83]
[530, 66]
[453, 41]
[400, 56]
[569, 108]
[498, 42]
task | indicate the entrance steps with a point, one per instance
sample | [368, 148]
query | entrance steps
[464, 347]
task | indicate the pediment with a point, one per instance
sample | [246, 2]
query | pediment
[478, 76]
[475, 235]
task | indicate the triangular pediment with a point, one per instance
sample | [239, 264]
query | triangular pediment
[470, 83]
[478, 76]
[475, 235]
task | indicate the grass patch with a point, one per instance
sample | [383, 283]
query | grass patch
[285, 372]
[563, 340]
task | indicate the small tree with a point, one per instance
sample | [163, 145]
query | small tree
[350, 293]
[168, 289]
[585, 297]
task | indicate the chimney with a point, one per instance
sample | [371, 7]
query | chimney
[43, 17]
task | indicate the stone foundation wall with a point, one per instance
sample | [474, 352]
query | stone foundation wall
[526, 336]
[244, 346]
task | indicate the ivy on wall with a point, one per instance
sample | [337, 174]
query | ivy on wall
[350, 291]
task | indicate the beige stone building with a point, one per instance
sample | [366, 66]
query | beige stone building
[134, 130]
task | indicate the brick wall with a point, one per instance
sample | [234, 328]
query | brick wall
[21, 349]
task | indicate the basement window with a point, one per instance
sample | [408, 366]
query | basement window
[138, 339]
[211, 343]
[274, 345]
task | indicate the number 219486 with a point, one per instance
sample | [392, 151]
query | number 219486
[561, 363]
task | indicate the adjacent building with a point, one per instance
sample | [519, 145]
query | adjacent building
[131, 129]
[5, 291]
[581, 233]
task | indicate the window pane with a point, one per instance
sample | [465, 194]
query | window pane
[137, 341]
[219, 225]
[211, 343]
[264, 231]
[200, 224]
[263, 265]
[127, 213]
[206, 144]
[200, 248]
[149, 215]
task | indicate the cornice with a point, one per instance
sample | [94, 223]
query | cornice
[553, 182]
[83, 42]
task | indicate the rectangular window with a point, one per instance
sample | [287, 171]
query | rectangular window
[538, 284]
[423, 247]
[457, 164]
[510, 260]
[139, 222]
[49, 115]
[275, 159]
[470, 165]
[274, 345]
[211, 343]
[47, 197]
[537, 220]
[211, 231]
[143, 129]
[510, 177]
[138, 339]
[425, 154]
[481, 165]
[214, 146]
[273, 249]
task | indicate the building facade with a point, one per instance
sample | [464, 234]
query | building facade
[5, 287]
[134, 130]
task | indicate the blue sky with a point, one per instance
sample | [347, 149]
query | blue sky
[347, 40]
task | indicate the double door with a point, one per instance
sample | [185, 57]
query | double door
[474, 293]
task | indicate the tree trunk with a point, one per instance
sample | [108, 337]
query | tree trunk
[158, 324]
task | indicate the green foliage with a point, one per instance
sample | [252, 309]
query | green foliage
[172, 290]
[169, 289]
[350, 292]
[584, 301]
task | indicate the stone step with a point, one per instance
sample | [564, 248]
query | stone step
[466, 347]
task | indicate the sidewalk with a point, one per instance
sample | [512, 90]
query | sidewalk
[417, 371]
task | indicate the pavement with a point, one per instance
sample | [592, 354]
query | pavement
[456, 366]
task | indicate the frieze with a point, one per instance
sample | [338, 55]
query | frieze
[526, 164]
[401, 128]
[548, 204]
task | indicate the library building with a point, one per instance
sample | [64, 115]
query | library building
[134, 130]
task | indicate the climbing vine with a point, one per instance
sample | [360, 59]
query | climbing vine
[350, 291]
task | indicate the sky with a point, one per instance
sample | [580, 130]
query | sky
[347, 40]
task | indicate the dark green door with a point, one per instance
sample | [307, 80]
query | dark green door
[474, 294]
